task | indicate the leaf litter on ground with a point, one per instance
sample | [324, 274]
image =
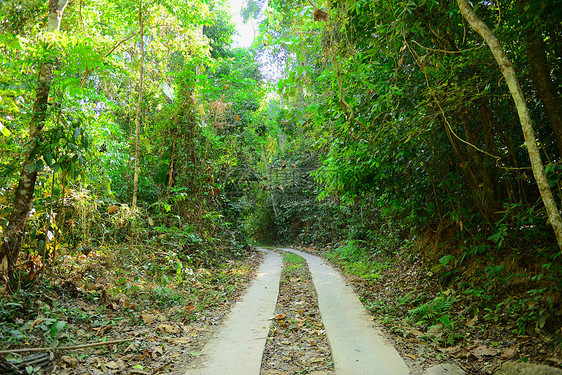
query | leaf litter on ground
[297, 341]
[96, 298]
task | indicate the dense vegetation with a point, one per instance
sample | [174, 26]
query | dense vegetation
[392, 131]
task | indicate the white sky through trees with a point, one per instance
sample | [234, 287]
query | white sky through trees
[246, 32]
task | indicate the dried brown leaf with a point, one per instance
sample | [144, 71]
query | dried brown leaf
[472, 322]
[147, 318]
[279, 316]
[112, 365]
[509, 353]
[72, 362]
[168, 328]
[483, 351]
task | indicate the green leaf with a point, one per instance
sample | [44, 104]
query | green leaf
[446, 259]
[76, 134]
[48, 157]
[4, 130]
[57, 327]
[146, 143]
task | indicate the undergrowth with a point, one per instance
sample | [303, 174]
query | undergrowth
[110, 285]
[353, 257]
[461, 289]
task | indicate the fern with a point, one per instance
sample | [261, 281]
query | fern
[430, 311]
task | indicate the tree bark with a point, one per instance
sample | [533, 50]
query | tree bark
[540, 73]
[139, 105]
[508, 72]
[15, 230]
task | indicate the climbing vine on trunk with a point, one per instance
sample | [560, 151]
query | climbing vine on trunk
[510, 76]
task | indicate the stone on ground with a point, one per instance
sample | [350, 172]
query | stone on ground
[444, 369]
[521, 368]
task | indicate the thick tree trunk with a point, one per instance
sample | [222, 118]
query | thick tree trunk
[15, 230]
[139, 105]
[508, 72]
[536, 53]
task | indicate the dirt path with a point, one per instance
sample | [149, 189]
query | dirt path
[358, 347]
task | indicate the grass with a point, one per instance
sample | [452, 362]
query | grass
[292, 261]
[355, 260]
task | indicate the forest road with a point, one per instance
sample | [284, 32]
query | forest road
[358, 346]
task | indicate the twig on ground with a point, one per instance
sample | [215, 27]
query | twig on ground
[33, 350]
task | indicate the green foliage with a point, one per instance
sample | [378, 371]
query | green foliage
[437, 315]
[432, 311]
[293, 262]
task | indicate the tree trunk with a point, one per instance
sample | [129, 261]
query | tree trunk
[139, 105]
[508, 72]
[536, 53]
[15, 230]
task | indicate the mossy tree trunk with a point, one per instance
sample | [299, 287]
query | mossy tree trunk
[23, 197]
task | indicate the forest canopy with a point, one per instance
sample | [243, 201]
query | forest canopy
[375, 126]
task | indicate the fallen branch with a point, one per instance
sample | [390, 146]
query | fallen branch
[33, 350]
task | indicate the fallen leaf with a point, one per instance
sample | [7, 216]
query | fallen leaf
[129, 304]
[158, 351]
[130, 348]
[509, 352]
[113, 306]
[456, 351]
[136, 371]
[316, 360]
[411, 356]
[168, 328]
[181, 341]
[555, 361]
[472, 322]
[174, 310]
[112, 209]
[190, 308]
[112, 365]
[36, 322]
[435, 330]
[279, 316]
[483, 351]
[416, 332]
[72, 362]
[102, 330]
[147, 318]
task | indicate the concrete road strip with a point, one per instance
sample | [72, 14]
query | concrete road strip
[238, 347]
[358, 347]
